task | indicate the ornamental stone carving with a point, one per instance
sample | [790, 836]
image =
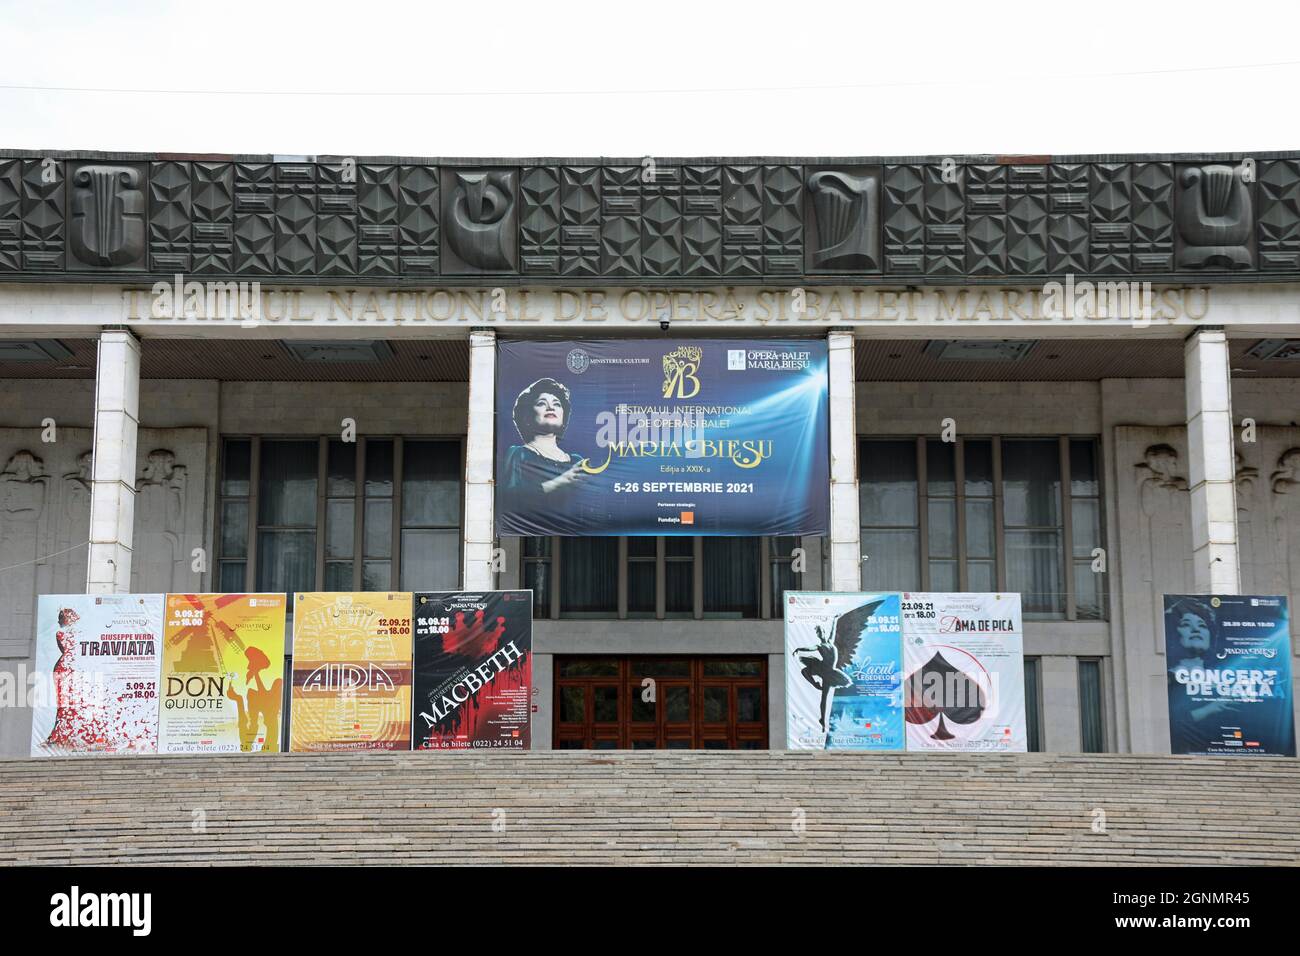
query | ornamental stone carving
[108, 207]
[845, 211]
[480, 218]
[1215, 218]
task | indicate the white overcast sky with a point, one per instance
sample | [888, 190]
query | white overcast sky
[667, 78]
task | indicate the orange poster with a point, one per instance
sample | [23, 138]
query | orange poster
[351, 671]
[222, 682]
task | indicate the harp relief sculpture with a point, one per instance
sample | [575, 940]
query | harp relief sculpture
[1214, 218]
[846, 209]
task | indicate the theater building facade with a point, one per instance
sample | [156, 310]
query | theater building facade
[1074, 378]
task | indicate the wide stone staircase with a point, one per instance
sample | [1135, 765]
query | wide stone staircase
[651, 807]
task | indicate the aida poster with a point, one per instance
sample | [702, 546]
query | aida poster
[963, 655]
[221, 688]
[1229, 675]
[843, 672]
[351, 671]
[473, 670]
[97, 673]
[663, 436]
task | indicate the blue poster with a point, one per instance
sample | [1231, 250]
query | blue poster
[843, 671]
[1229, 675]
[662, 437]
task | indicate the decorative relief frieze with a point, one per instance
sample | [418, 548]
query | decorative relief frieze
[876, 222]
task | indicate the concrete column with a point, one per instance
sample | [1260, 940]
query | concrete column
[112, 475]
[1061, 732]
[480, 488]
[1211, 469]
[846, 535]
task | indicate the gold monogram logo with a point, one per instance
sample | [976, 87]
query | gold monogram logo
[680, 367]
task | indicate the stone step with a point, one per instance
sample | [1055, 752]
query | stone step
[651, 807]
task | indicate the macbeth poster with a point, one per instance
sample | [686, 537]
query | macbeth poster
[963, 656]
[1228, 660]
[222, 676]
[662, 437]
[843, 671]
[97, 672]
[351, 672]
[473, 670]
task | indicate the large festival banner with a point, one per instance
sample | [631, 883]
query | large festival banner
[963, 655]
[351, 671]
[843, 675]
[1229, 675]
[222, 674]
[473, 670]
[662, 436]
[97, 663]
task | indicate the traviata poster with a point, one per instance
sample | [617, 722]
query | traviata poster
[662, 436]
[222, 673]
[844, 676]
[473, 669]
[963, 655]
[351, 671]
[1229, 665]
[97, 663]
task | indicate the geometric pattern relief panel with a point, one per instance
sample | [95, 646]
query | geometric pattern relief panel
[11, 215]
[191, 217]
[579, 239]
[378, 214]
[1279, 215]
[1111, 232]
[904, 220]
[701, 221]
[945, 222]
[742, 220]
[43, 223]
[417, 220]
[620, 232]
[1067, 221]
[539, 221]
[661, 222]
[212, 233]
[1153, 217]
[783, 195]
[255, 219]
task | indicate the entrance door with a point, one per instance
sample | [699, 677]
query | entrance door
[648, 703]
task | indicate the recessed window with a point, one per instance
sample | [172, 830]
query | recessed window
[661, 577]
[986, 514]
[308, 514]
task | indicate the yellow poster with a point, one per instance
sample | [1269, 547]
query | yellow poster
[351, 671]
[222, 673]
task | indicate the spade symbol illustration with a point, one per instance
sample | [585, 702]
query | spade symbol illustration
[940, 690]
